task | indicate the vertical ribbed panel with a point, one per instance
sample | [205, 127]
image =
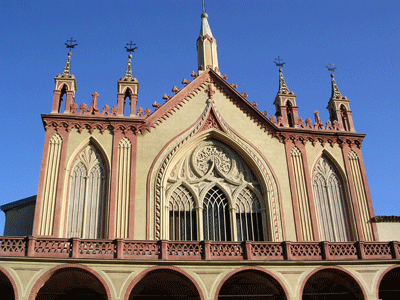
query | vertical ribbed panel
[301, 190]
[361, 197]
[331, 203]
[123, 188]
[50, 186]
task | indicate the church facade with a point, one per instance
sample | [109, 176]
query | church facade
[205, 197]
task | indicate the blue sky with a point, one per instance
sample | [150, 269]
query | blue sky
[362, 38]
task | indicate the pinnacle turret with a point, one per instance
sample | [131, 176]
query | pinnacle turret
[283, 89]
[206, 47]
[67, 68]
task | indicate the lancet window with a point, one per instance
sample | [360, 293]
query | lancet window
[248, 216]
[182, 215]
[87, 195]
[329, 194]
[228, 196]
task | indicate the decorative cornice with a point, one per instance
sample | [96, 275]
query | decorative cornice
[69, 122]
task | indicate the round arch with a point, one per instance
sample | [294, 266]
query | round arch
[239, 280]
[388, 284]
[73, 270]
[139, 283]
[328, 283]
[8, 288]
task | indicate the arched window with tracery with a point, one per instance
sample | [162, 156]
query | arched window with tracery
[329, 194]
[216, 219]
[228, 193]
[248, 216]
[182, 215]
[86, 206]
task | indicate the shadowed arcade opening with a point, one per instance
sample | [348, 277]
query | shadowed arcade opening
[332, 284]
[251, 285]
[6, 288]
[389, 287]
[166, 285]
[72, 284]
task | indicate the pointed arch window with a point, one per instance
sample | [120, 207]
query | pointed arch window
[182, 215]
[216, 219]
[87, 196]
[331, 203]
[345, 118]
[248, 216]
[289, 111]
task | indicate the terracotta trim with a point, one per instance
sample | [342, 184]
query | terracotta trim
[142, 274]
[46, 276]
[367, 192]
[256, 269]
[293, 190]
[313, 272]
[118, 136]
[60, 185]
[12, 281]
[353, 195]
[132, 202]
[38, 206]
[378, 283]
[310, 194]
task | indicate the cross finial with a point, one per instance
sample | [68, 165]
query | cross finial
[71, 45]
[131, 48]
[279, 62]
[331, 67]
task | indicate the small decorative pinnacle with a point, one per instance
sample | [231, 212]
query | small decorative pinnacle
[283, 89]
[67, 68]
[131, 48]
[335, 89]
[71, 45]
[279, 62]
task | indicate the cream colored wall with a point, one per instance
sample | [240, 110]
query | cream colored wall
[389, 231]
[150, 145]
[207, 274]
[77, 140]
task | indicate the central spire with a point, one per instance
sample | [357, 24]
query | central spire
[207, 47]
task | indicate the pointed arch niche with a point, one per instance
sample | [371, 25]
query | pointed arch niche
[87, 201]
[332, 204]
[228, 194]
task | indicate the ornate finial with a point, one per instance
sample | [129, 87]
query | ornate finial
[331, 67]
[335, 89]
[71, 45]
[279, 62]
[131, 48]
[67, 69]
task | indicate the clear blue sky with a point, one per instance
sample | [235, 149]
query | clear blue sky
[362, 38]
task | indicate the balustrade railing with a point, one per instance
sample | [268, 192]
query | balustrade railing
[205, 250]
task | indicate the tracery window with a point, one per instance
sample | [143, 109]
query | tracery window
[87, 195]
[229, 196]
[331, 203]
[248, 216]
[182, 215]
[216, 220]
